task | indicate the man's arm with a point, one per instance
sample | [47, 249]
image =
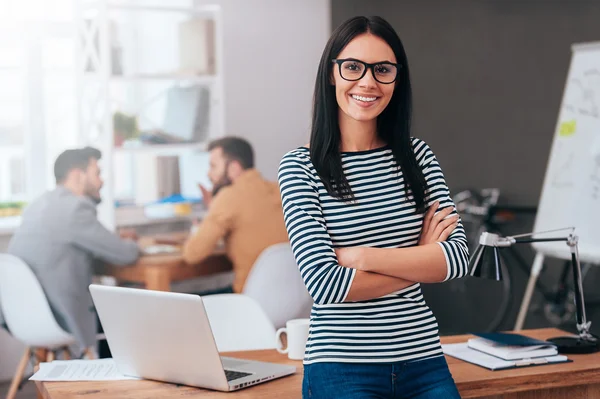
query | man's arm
[213, 228]
[86, 232]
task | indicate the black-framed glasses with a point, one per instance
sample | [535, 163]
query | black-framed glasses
[352, 69]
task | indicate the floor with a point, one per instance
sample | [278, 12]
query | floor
[28, 391]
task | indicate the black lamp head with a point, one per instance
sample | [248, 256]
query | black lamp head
[485, 261]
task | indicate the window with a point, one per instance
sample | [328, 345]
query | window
[12, 129]
[38, 115]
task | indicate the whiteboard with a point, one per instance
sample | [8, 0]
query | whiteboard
[571, 192]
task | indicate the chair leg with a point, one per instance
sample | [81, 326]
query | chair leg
[41, 354]
[18, 378]
[89, 353]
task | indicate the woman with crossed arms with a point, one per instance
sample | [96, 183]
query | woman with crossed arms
[369, 217]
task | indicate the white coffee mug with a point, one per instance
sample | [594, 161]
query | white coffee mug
[297, 334]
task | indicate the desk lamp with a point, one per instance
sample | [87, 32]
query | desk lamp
[486, 263]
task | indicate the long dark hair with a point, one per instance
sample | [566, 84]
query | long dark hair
[393, 124]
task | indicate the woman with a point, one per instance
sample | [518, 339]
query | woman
[369, 217]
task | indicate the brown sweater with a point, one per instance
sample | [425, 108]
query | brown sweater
[248, 216]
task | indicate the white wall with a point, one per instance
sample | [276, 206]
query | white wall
[271, 51]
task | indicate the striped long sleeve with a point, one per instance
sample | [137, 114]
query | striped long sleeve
[455, 247]
[395, 327]
[326, 281]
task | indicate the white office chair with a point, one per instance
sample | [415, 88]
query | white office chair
[238, 323]
[28, 316]
[275, 283]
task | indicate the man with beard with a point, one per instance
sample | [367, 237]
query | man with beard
[243, 209]
[60, 238]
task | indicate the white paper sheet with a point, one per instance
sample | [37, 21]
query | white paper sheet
[79, 370]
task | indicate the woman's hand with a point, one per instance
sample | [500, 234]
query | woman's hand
[437, 228]
[352, 257]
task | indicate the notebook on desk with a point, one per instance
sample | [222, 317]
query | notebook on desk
[462, 351]
[510, 346]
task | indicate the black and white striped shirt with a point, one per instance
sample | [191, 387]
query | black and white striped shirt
[395, 327]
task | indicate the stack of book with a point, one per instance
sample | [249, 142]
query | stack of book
[498, 351]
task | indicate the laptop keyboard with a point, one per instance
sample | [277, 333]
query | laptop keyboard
[234, 375]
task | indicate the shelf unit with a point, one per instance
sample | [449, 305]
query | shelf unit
[96, 82]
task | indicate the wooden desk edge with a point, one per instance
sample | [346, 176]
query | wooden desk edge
[513, 385]
[481, 382]
[166, 268]
[522, 379]
[41, 387]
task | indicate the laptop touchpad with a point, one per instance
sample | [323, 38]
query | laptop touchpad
[229, 362]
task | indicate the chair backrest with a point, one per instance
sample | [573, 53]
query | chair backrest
[25, 307]
[238, 323]
[275, 283]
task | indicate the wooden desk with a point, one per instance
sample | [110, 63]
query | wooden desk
[577, 380]
[156, 272]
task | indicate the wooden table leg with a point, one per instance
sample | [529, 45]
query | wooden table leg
[40, 356]
[41, 389]
[158, 279]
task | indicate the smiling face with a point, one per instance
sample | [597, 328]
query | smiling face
[365, 99]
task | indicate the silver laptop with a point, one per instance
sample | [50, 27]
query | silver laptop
[166, 336]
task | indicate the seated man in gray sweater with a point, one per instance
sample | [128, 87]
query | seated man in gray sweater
[60, 238]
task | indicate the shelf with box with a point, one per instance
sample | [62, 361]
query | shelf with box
[151, 88]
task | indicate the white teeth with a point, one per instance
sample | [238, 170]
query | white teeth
[361, 98]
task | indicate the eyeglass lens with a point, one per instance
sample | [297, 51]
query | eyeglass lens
[355, 70]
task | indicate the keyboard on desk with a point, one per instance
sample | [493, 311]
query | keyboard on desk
[234, 375]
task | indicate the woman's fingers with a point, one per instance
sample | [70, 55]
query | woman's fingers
[443, 225]
[441, 215]
[437, 227]
[447, 231]
[429, 215]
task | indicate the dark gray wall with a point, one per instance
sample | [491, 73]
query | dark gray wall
[487, 80]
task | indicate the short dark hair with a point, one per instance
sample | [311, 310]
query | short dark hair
[78, 158]
[235, 148]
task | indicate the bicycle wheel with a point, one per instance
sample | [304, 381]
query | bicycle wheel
[470, 304]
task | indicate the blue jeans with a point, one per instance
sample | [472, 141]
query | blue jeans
[419, 379]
